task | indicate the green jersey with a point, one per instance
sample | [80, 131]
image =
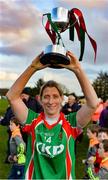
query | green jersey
[50, 149]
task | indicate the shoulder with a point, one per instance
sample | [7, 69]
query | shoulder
[31, 116]
[18, 139]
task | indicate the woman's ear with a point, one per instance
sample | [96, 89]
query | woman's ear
[40, 100]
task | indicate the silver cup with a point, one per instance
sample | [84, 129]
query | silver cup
[60, 17]
[56, 53]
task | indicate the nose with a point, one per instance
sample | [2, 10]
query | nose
[51, 100]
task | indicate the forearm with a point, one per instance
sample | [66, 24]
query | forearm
[85, 112]
[20, 83]
[88, 90]
[86, 86]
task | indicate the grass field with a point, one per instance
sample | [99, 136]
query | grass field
[5, 168]
[3, 106]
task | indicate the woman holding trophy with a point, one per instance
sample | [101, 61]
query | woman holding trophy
[50, 150]
[51, 134]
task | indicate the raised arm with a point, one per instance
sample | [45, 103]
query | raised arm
[19, 108]
[85, 112]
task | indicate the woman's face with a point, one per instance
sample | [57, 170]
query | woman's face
[51, 101]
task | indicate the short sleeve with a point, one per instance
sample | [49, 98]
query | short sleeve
[31, 116]
[71, 117]
[75, 130]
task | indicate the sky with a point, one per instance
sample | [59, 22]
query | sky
[23, 37]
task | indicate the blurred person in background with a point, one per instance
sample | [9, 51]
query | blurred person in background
[31, 103]
[103, 170]
[17, 150]
[96, 115]
[72, 105]
[103, 120]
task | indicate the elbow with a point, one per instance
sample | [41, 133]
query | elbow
[9, 96]
[12, 96]
[94, 105]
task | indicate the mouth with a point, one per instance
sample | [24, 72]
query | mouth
[51, 107]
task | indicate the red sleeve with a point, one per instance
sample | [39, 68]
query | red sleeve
[75, 131]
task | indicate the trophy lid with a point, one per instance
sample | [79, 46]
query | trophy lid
[60, 15]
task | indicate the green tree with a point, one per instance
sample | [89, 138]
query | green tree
[100, 85]
[64, 89]
[36, 89]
